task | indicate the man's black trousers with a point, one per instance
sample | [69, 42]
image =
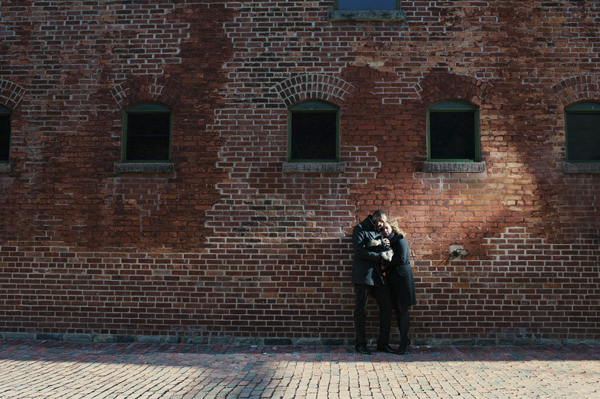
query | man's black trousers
[382, 296]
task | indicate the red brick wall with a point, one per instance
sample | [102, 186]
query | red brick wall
[229, 245]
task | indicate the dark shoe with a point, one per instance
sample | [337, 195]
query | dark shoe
[403, 345]
[362, 349]
[387, 349]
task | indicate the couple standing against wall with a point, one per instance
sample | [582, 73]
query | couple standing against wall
[381, 269]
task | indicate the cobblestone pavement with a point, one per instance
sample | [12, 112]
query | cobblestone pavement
[45, 369]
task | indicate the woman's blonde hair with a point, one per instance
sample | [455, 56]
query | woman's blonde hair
[397, 230]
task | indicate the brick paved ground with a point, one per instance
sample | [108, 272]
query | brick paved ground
[43, 369]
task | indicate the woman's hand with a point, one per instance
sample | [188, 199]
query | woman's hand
[387, 255]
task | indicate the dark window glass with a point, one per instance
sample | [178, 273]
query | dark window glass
[367, 4]
[452, 135]
[314, 133]
[148, 133]
[453, 132]
[583, 132]
[4, 134]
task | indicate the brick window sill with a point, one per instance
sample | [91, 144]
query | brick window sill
[366, 15]
[314, 167]
[6, 167]
[569, 167]
[454, 167]
[133, 167]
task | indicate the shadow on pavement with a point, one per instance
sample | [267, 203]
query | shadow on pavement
[179, 354]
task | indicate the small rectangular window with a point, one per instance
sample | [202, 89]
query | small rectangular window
[148, 133]
[313, 132]
[583, 132]
[5, 130]
[367, 5]
[453, 132]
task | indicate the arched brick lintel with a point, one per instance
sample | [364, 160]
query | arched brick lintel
[577, 88]
[313, 87]
[441, 86]
[145, 88]
[11, 94]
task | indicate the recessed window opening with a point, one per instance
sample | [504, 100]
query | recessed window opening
[313, 132]
[583, 132]
[453, 132]
[5, 130]
[148, 133]
[367, 4]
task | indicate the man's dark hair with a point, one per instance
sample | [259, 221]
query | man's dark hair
[378, 213]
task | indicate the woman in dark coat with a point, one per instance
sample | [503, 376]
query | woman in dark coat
[399, 278]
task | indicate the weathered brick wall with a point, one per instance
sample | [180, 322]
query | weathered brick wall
[230, 244]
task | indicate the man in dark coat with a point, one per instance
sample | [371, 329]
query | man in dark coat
[368, 280]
